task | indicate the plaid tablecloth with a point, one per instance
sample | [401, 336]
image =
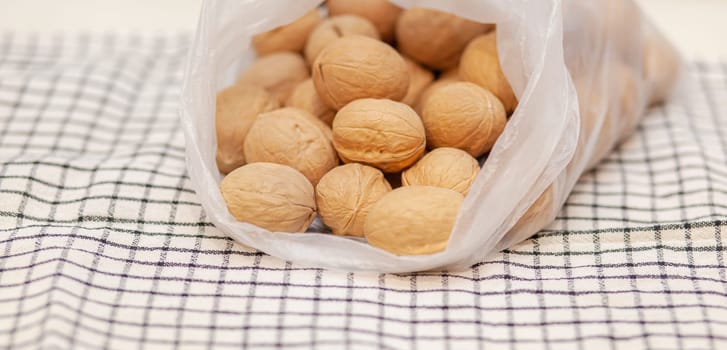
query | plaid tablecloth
[104, 245]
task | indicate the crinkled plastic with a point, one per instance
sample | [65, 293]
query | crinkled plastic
[583, 71]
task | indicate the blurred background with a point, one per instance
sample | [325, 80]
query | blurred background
[695, 26]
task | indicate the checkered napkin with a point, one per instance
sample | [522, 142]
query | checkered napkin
[104, 245]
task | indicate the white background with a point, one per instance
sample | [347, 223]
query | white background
[695, 26]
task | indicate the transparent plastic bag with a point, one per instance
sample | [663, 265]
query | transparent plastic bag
[583, 71]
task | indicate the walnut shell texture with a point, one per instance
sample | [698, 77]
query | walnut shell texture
[236, 110]
[279, 73]
[419, 79]
[290, 37]
[435, 38]
[275, 197]
[292, 137]
[444, 167]
[306, 97]
[345, 195]
[465, 116]
[481, 65]
[382, 13]
[334, 28]
[355, 67]
[382, 133]
[413, 220]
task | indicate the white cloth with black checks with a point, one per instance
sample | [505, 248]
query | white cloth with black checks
[103, 244]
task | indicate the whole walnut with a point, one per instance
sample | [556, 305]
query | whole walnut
[413, 220]
[236, 110]
[292, 137]
[334, 28]
[275, 197]
[465, 116]
[382, 133]
[481, 65]
[444, 167]
[381, 13]
[278, 73]
[419, 79]
[435, 38]
[541, 212]
[306, 97]
[355, 67]
[346, 194]
[290, 37]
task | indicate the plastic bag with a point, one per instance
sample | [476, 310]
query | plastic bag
[603, 49]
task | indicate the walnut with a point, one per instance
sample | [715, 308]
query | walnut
[419, 79]
[292, 137]
[275, 197]
[278, 73]
[236, 110]
[465, 116]
[334, 28]
[346, 194]
[306, 97]
[382, 133]
[355, 67]
[413, 220]
[435, 38]
[290, 37]
[444, 167]
[381, 13]
[481, 65]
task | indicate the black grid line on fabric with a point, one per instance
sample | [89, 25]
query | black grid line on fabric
[630, 259]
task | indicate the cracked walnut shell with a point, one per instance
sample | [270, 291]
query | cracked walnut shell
[275, 197]
[445, 167]
[355, 67]
[413, 220]
[345, 195]
[292, 137]
[382, 133]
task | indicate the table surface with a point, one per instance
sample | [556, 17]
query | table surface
[694, 26]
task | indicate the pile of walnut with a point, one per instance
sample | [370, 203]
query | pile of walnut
[327, 91]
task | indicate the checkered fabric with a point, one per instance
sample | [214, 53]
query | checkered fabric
[104, 245]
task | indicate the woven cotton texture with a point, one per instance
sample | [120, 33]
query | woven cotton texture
[103, 244]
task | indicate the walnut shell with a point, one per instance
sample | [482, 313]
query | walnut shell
[334, 28]
[236, 110]
[306, 97]
[381, 13]
[275, 197]
[290, 37]
[382, 133]
[465, 116]
[413, 220]
[435, 38]
[355, 67]
[292, 137]
[481, 65]
[346, 194]
[444, 167]
[278, 73]
[419, 79]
